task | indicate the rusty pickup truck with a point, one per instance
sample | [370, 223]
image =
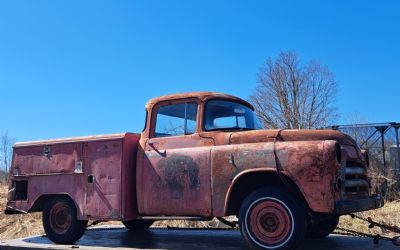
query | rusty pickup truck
[201, 155]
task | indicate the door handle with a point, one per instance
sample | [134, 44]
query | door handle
[153, 145]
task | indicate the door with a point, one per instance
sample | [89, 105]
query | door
[102, 172]
[176, 165]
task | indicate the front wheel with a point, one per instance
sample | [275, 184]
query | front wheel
[60, 221]
[270, 218]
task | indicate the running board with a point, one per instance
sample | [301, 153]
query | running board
[175, 218]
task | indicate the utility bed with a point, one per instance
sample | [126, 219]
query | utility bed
[96, 172]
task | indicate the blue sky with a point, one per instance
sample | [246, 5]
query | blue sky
[71, 68]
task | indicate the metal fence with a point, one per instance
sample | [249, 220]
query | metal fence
[382, 142]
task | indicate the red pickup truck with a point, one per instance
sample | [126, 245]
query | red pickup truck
[201, 155]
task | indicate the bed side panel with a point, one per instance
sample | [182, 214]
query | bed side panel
[47, 159]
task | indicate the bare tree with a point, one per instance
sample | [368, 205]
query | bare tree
[292, 95]
[6, 143]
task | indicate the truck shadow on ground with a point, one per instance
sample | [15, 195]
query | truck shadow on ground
[194, 239]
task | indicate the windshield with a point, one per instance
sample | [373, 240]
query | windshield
[228, 115]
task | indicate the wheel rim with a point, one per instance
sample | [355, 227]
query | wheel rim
[60, 218]
[271, 222]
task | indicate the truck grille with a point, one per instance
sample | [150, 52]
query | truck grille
[356, 180]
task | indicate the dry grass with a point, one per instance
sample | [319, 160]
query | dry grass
[17, 226]
[389, 214]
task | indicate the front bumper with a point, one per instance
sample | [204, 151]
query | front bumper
[358, 205]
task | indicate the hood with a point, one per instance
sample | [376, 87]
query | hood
[290, 135]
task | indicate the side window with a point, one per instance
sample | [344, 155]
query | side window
[176, 119]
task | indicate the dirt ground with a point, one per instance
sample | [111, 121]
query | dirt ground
[18, 226]
[388, 214]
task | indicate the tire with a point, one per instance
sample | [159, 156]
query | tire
[270, 218]
[323, 228]
[60, 221]
[135, 225]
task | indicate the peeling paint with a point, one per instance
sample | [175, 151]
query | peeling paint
[187, 175]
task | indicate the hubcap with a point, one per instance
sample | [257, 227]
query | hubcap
[60, 218]
[270, 222]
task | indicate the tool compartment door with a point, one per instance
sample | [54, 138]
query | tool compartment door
[102, 170]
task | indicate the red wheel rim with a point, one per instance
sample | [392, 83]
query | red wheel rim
[270, 222]
[60, 218]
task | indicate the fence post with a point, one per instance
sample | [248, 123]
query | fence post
[397, 168]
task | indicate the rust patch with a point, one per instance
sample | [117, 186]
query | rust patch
[181, 173]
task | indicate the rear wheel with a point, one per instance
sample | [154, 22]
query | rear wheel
[271, 219]
[137, 224]
[60, 221]
[323, 227]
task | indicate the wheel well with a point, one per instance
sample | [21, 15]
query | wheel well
[41, 201]
[250, 182]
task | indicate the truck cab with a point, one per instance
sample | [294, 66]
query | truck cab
[201, 155]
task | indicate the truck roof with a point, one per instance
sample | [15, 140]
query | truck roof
[202, 95]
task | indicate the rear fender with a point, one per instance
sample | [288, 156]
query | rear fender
[41, 187]
[40, 202]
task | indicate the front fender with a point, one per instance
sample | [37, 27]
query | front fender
[311, 165]
[314, 167]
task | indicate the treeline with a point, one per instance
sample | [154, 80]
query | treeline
[6, 143]
[3, 176]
